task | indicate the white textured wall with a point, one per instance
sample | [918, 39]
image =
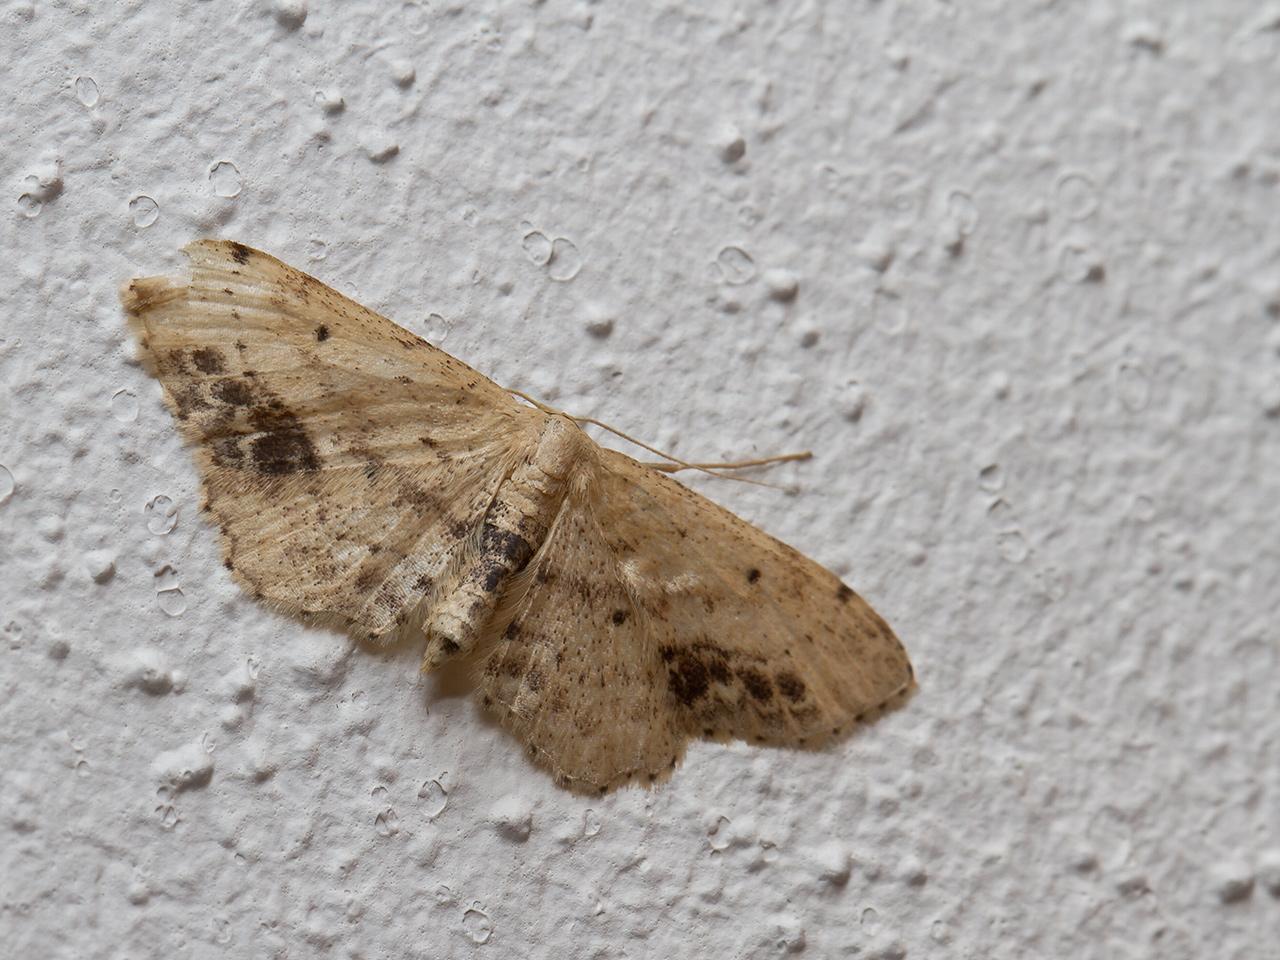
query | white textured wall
[1035, 343]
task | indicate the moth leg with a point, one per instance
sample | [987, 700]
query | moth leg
[514, 527]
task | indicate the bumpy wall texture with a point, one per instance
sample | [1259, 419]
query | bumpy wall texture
[1011, 269]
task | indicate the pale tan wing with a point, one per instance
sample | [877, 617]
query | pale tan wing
[576, 675]
[759, 642]
[343, 458]
[653, 615]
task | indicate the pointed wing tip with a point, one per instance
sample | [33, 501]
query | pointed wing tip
[142, 294]
[139, 297]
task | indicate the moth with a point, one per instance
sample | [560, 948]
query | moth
[360, 477]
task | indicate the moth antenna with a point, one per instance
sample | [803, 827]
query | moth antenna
[545, 408]
[676, 463]
[739, 464]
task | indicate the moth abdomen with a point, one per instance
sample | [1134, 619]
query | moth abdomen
[514, 527]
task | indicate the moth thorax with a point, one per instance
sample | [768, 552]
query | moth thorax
[561, 445]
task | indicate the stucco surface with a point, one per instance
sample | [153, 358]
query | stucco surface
[1008, 268]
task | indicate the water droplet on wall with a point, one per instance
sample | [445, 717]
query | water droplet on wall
[173, 601]
[221, 927]
[435, 798]
[537, 247]
[717, 836]
[86, 91]
[435, 328]
[124, 405]
[1133, 386]
[891, 314]
[161, 514]
[387, 823]
[735, 266]
[902, 190]
[224, 178]
[476, 924]
[1077, 196]
[565, 261]
[144, 211]
[1013, 546]
[416, 19]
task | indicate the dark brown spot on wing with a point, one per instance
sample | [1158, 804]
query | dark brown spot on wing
[413, 495]
[284, 446]
[240, 253]
[757, 683]
[792, 687]
[322, 333]
[176, 361]
[226, 452]
[753, 575]
[235, 392]
[687, 677]
[187, 400]
[208, 360]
